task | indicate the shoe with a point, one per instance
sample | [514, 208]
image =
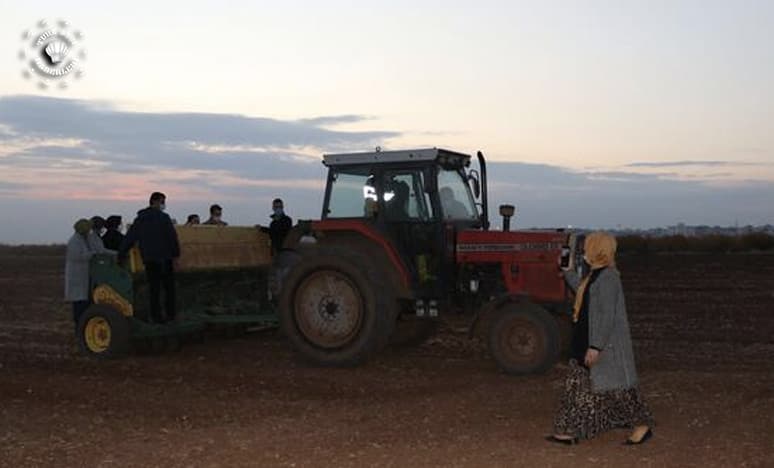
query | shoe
[648, 434]
[572, 441]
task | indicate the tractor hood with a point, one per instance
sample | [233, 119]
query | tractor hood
[539, 246]
[528, 261]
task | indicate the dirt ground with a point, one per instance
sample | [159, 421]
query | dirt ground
[704, 334]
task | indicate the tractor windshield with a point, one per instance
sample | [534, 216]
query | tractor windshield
[456, 200]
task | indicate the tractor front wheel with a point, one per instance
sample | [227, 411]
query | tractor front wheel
[103, 332]
[524, 339]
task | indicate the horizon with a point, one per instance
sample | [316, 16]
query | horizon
[496, 225]
[643, 115]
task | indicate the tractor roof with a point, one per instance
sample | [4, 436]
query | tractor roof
[384, 157]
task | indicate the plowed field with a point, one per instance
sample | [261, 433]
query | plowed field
[703, 328]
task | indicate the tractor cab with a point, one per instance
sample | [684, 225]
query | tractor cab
[416, 200]
[418, 186]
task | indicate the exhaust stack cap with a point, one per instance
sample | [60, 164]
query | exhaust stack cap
[507, 211]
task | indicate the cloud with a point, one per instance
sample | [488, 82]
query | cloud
[698, 163]
[54, 117]
[6, 132]
[555, 198]
[6, 186]
[335, 119]
[629, 176]
[552, 196]
[528, 174]
[42, 138]
[711, 175]
[62, 159]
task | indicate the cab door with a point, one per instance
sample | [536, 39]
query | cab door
[408, 216]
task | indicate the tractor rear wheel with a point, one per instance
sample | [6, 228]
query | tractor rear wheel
[334, 309]
[103, 332]
[524, 339]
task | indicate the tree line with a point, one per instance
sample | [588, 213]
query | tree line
[712, 243]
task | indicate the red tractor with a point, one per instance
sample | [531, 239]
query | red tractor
[404, 238]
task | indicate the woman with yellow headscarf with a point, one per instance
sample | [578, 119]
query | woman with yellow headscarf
[601, 390]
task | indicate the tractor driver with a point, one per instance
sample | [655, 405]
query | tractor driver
[452, 208]
[397, 206]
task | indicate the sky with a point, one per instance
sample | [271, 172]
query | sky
[593, 113]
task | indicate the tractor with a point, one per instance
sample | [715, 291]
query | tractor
[404, 238]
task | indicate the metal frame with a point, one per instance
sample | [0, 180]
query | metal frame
[419, 155]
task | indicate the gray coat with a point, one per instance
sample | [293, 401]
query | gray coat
[79, 253]
[609, 332]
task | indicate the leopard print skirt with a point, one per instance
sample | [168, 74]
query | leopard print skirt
[584, 414]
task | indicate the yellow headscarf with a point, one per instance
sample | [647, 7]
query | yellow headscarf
[599, 250]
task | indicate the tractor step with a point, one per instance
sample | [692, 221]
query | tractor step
[426, 308]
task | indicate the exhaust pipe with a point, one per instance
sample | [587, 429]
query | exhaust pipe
[484, 193]
[507, 211]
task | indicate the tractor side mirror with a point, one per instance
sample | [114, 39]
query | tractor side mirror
[475, 183]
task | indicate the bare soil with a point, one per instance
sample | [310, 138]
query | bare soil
[704, 334]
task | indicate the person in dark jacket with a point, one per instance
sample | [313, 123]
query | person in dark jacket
[601, 389]
[397, 206]
[112, 238]
[159, 248]
[280, 225]
[98, 225]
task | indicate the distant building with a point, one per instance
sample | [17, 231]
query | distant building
[682, 229]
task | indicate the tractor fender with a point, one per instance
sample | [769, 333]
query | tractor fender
[491, 309]
[359, 237]
[297, 235]
[299, 241]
